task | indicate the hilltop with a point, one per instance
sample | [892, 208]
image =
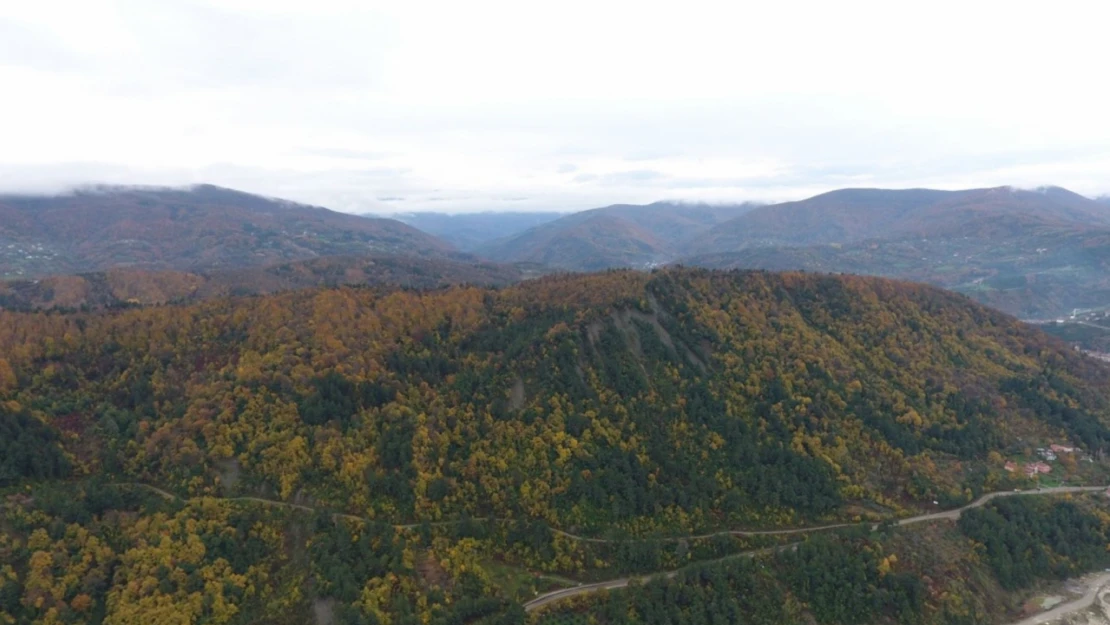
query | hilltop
[789, 355]
[199, 228]
[619, 404]
[853, 215]
[622, 235]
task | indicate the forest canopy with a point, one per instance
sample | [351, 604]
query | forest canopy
[620, 404]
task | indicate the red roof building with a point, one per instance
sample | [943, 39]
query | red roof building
[1034, 468]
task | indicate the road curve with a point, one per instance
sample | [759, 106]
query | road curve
[565, 593]
[952, 515]
[955, 514]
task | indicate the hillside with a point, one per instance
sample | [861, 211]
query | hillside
[1031, 272]
[834, 217]
[200, 228]
[585, 242]
[468, 231]
[124, 287]
[609, 405]
[622, 235]
[1033, 253]
[996, 563]
[853, 215]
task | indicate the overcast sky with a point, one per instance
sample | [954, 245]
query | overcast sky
[525, 105]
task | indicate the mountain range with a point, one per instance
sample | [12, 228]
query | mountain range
[1037, 253]
[199, 228]
[1033, 253]
[622, 235]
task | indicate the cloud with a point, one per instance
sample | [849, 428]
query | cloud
[651, 155]
[343, 103]
[346, 153]
[631, 177]
[35, 48]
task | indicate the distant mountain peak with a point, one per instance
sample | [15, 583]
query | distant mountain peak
[619, 235]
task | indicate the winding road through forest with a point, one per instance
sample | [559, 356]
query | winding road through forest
[566, 593]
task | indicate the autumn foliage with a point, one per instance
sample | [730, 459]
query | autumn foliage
[625, 403]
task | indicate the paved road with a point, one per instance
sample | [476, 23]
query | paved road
[565, 593]
[1076, 605]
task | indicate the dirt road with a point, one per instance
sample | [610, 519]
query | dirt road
[565, 593]
[1095, 585]
[955, 514]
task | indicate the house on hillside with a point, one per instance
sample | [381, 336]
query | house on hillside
[1047, 454]
[1011, 466]
[1062, 449]
[1034, 468]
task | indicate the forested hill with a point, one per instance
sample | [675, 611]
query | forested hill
[201, 228]
[469, 437]
[128, 287]
[677, 398]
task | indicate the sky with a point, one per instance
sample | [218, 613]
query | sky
[366, 106]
